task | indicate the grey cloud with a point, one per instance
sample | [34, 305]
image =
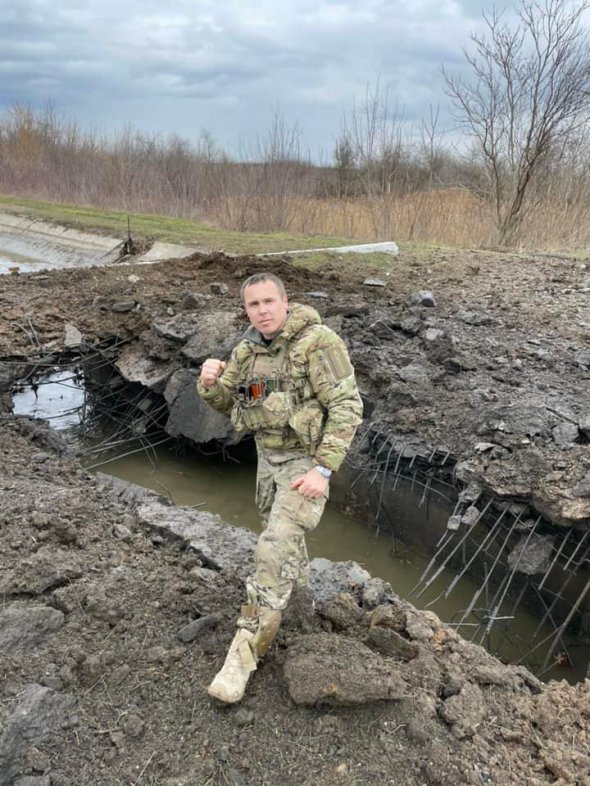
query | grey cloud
[224, 60]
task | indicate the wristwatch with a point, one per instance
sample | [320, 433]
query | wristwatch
[323, 470]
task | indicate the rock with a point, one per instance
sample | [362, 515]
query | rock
[33, 780]
[327, 578]
[45, 569]
[388, 616]
[37, 713]
[213, 334]
[73, 337]
[195, 300]
[219, 288]
[564, 434]
[121, 532]
[438, 344]
[342, 611]
[376, 591]
[584, 425]
[134, 366]
[133, 279]
[470, 517]
[423, 297]
[189, 416]
[388, 642]
[195, 628]
[332, 669]
[417, 373]
[123, 306]
[178, 328]
[411, 326]
[374, 282]
[24, 627]
[464, 711]
[422, 625]
[473, 318]
[318, 295]
[582, 359]
[582, 489]
[532, 554]
[520, 419]
[453, 523]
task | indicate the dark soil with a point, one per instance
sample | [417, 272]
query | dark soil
[96, 687]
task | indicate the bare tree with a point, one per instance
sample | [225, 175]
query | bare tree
[528, 96]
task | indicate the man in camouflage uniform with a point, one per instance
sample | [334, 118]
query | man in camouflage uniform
[290, 381]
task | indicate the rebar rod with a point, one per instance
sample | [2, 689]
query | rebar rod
[578, 547]
[491, 536]
[560, 595]
[124, 455]
[496, 607]
[566, 622]
[558, 553]
[494, 564]
[457, 547]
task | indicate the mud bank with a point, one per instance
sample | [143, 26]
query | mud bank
[113, 623]
[474, 367]
[118, 609]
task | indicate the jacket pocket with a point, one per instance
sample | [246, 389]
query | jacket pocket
[307, 423]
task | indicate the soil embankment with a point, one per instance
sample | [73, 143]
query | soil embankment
[112, 627]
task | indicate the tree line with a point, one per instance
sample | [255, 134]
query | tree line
[519, 175]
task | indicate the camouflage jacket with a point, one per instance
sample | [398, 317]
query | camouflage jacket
[299, 391]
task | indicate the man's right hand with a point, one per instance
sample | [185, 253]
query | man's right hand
[211, 370]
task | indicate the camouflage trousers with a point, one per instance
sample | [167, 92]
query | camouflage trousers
[281, 554]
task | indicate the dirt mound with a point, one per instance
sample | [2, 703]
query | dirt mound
[111, 631]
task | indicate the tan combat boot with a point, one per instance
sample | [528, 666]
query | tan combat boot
[230, 682]
[269, 621]
[245, 650]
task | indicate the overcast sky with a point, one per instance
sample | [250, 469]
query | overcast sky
[224, 65]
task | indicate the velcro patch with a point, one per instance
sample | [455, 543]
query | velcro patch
[337, 364]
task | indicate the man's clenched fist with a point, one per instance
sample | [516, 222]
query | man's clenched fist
[211, 370]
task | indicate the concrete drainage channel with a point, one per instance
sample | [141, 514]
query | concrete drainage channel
[491, 560]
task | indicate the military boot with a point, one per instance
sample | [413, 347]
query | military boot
[230, 682]
[244, 653]
[269, 621]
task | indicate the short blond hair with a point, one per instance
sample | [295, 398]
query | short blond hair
[258, 278]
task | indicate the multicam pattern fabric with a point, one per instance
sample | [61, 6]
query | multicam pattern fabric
[299, 396]
[299, 392]
[281, 554]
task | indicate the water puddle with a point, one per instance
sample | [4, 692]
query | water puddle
[227, 488]
[58, 398]
[13, 263]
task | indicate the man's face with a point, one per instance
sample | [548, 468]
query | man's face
[266, 307]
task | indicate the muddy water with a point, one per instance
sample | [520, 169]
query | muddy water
[227, 488]
[10, 260]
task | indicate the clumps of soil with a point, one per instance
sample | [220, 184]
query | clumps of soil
[101, 682]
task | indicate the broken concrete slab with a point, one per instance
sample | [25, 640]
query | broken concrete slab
[134, 366]
[189, 416]
[160, 252]
[387, 247]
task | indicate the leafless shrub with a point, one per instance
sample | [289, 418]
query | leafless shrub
[527, 100]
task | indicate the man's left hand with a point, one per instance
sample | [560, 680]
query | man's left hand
[312, 484]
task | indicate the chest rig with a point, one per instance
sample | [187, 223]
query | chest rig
[273, 392]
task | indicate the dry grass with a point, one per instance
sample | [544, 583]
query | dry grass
[452, 217]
